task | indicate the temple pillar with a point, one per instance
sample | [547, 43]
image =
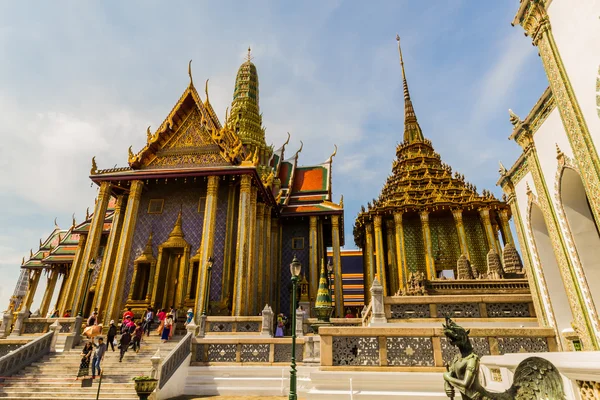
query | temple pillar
[108, 262]
[505, 227]
[61, 293]
[379, 253]
[49, 292]
[337, 266]
[460, 230]
[429, 262]
[259, 284]
[93, 241]
[369, 262]
[241, 253]
[496, 229]
[267, 251]
[207, 244]
[484, 213]
[252, 256]
[115, 296]
[313, 258]
[400, 254]
[34, 280]
[391, 256]
[72, 274]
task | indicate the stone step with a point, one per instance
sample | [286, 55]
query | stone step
[72, 395]
[235, 391]
[372, 395]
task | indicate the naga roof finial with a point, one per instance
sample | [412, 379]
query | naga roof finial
[55, 222]
[288, 139]
[148, 134]
[332, 154]
[74, 222]
[190, 73]
[412, 130]
[206, 91]
[300, 149]
[94, 169]
[514, 118]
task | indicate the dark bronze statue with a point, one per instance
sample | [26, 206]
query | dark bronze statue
[535, 378]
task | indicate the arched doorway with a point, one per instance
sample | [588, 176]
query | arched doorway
[556, 289]
[583, 228]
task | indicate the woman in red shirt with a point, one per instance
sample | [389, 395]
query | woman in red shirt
[161, 315]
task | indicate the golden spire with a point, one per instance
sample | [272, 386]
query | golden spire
[249, 56]
[412, 130]
[177, 231]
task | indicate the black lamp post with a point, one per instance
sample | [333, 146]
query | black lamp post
[295, 268]
[207, 288]
[87, 285]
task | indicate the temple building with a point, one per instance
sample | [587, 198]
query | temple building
[553, 188]
[430, 222]
[205, 216]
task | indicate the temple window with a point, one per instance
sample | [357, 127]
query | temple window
[298, 243]
[140, 288]
[156, 206]
[195, 270]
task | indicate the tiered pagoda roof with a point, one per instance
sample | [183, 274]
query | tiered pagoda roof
[420, 181]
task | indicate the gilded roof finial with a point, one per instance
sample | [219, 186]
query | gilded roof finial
[502, 169]
[412, 130]
[56, 223]
[190, 73]
[288, 139]
[333, 154]
[341, 203]
[87, 213]
[94, 169]
[206, 91]
[514, 118]
[41, 243]
[74, 222]
[299, 150]
[249, 55]
[226, 115]
[148, 134]
[30, 253]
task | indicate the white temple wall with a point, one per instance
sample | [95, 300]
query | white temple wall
[548, 135]
[576, 29]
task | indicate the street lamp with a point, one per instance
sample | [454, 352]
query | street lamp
[207, 287]
[295, 268]
[87, 285]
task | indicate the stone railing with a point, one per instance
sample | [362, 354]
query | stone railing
[42, 325]
[174, 359]
[216, 325]
[9, 345]
[483, 286]
[580, 372]
[308, 322]
[463, 306]
[26, 354]
[426, 349]
[267, 351]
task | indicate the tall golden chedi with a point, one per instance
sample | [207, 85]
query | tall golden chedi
[426, 219]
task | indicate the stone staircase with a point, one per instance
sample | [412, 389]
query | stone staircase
[53, 376]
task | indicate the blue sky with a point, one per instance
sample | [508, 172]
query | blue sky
[79, 79]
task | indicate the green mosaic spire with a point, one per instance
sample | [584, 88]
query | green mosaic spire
[245, 118]
[323, 294]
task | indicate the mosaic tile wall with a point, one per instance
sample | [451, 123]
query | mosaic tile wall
[476, 241]
[187, 197]
[292, 229]
[216, 282]
[444, 241]
[413, 243]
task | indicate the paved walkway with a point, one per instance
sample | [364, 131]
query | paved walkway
[231, 398]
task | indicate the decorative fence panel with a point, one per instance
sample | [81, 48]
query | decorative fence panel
[216, 325]
[241, 351]
[174, 359]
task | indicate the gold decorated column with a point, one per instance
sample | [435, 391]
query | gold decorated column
[391, 256]
[32, 284]
[61, 293]
[275, 263]
[115, 296]
[457, 213]
[369, 262]
[429, 262]
[313, 258]
[380, 254]
[534, 18]
[49, 292]
[93, 240]
[207, 243]
[337, 266]
[259, 281]
[108, 262]
[229, 251]
[267, 287]
[252, 256]
[504, 225]
[400, 253]
[73, 273]
[484, 213]
[241, 254]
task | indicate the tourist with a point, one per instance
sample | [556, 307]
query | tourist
[67, 314]
[349, 314]
[173, 313]
[137, 337]
[98, 357]
[280, 325]
[124, 343]
[128, 313]
[168, 326]
[148, 320]
[84, 364]
[93, 319]
[112, 333]
[190, 316]
[162, 314]
[55, 314]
